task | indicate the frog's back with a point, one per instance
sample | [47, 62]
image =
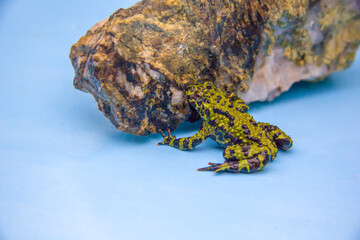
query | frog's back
[230, 124]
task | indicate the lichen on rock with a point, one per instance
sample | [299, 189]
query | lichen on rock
[138, 62]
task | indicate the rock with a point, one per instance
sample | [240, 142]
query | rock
[138, 62]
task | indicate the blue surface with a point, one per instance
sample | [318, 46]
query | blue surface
[67, 173]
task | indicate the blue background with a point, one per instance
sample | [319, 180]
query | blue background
[67, 173]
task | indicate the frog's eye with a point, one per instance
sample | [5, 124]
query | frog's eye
[208, 85]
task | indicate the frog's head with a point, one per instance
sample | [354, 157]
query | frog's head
[200, 95]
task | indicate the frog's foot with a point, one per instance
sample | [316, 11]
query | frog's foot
[242, 159]
[187, 143]
[281, 139]
[168, 140]
[232, 167]
[242, 166]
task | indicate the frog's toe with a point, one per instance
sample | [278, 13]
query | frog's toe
[167, 139]
[284, 143]
[161, 143]
[165, 142]
[212, 167]
[232, 167]
[214, 164]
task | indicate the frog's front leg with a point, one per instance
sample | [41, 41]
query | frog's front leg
[242, 159]
[188, 143]
[281, 139]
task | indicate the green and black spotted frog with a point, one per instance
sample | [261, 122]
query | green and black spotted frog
[249, 145]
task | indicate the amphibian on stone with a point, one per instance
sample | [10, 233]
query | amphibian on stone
[249, 145]
[138, 62]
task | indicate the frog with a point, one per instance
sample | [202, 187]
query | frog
[248, 145]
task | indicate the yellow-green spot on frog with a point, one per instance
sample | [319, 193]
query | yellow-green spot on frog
[249, 145]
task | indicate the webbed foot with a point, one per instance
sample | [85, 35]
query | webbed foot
[242, 159]
[232, 167]
[281, 139]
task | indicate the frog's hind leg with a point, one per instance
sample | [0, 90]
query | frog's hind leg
[242, 159]
[281, 139]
